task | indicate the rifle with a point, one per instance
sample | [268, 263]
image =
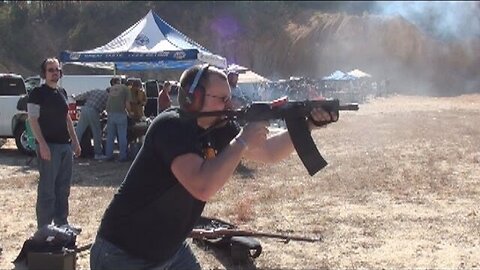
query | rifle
[225, 232]
[240, 243]
[295, 114]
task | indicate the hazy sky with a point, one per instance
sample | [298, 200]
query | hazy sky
[444, 20]
[441, 19]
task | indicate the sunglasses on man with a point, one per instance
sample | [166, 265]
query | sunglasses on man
[52, 70]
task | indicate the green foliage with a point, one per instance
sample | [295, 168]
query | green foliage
[18, 15]
[81, 25]
[4, 21]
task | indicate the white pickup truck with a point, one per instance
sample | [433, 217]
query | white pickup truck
[75, 84]
[12, 121]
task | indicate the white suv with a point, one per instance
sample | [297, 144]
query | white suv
[12, 120]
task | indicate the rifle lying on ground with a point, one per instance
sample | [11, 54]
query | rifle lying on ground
[240, 243]
[295, 114]
[223, 232]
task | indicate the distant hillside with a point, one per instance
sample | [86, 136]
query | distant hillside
[387, 47]
[276, 39]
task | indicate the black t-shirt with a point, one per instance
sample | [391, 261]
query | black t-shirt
[152, 213]
[53, 112]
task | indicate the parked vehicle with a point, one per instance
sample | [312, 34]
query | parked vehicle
[77, 84]
[12, 120]
[13, 114]
[32, 82]
[74, 84]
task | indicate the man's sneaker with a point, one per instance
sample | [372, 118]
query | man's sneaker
[99, 157]
[75, 229]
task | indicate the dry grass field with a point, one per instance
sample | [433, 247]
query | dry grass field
[401, 191]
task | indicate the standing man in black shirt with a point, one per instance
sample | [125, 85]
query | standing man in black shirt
[55, 137]
[183, 162]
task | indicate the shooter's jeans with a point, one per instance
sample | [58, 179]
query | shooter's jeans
[105, 256]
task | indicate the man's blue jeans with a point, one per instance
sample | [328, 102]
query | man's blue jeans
[105, 256]
[89, 117]
[54, 185]
[117, 127]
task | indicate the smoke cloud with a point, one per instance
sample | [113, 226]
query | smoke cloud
[443, 20]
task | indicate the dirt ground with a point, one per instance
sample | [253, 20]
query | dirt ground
[401, 191]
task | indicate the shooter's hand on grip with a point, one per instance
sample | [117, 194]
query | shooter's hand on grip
[254, 134]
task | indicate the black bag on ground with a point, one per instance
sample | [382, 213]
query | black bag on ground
[48, 239]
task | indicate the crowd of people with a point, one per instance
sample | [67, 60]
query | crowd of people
[304, 88]
[123, 104]
[184, 162]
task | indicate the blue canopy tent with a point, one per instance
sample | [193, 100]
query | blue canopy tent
[149, 44]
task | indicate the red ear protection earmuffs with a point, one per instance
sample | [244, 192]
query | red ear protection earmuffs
[196, 92]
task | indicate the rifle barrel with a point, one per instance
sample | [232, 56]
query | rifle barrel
[348, 107]
[226, 113]
[232, 114]
[219, 233]
[287, 237]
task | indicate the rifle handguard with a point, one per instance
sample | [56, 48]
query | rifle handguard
[322, 123]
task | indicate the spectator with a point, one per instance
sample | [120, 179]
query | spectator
[95, 103]
[238, 99]
[55, 137]
[118, 104]
[232, 80]
[164, 100]
[139, 99]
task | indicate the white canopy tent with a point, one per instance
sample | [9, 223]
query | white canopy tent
[251, 77]
[246, 75]
[338, 76]
[357, 73]
[249, 82]
[150, 43]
